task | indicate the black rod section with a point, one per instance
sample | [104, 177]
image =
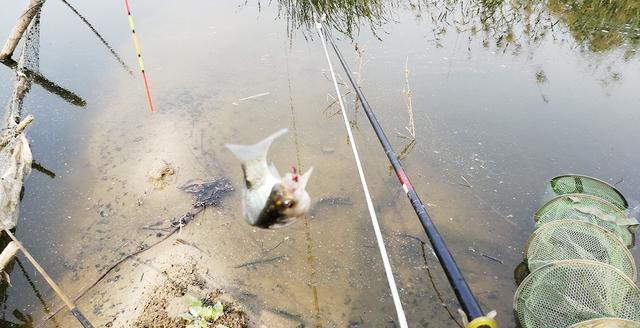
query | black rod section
[460, 287]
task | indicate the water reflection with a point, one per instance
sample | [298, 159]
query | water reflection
[52, 87]
[601, 25]
[596, 25]
[200, 116]
[344, 16]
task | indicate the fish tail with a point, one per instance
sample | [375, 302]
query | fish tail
[259, 150]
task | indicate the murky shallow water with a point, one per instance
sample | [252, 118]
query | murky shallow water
[482, 111]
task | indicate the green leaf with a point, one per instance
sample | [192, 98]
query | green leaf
[200, 316]
[205, 312]
[196, 303]
[219, 308]
[211, 313]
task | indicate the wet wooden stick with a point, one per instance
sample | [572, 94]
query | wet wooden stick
[8, 254]
[74, 310]
[19, 128]
[19, 29]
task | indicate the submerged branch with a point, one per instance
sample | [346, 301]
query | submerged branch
[423, 247]
[260, 261]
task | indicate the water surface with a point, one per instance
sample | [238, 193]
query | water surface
[505, 96]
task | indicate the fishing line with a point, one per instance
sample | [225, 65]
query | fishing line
[372, 213]
[311, 259]
[470, 307]
[137, 44]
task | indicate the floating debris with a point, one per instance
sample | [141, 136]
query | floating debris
[541, 77]
[207, 193]
[336, 201]
[255, 96]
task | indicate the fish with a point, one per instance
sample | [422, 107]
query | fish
[270, 200]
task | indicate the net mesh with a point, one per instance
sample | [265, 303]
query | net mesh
[567, 292]
[575, 239]
[607, 323]
[589, 209]
[15, 154]
[577, 184]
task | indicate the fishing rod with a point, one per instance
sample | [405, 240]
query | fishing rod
[460, 287]
[74, 309]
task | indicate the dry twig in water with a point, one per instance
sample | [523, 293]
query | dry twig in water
[359, 80]
[407, 92]
[411, 138]
[406, 150]
[466, 181]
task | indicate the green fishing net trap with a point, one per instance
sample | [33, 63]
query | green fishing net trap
[582, 274]
[607, 323]
[580, 184]
[567, 292]
[575, 239]
[590, 209]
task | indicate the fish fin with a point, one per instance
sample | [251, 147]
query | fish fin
[305, 178]
[259, 150]
[274, 171]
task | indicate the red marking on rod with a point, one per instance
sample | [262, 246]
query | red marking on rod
[146, 86]
[126, 3]
[404, 180]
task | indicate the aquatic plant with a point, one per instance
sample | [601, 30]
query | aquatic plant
[201, 316]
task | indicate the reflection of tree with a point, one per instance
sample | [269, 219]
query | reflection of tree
[346, 16]
[596, 25]
[600, 25]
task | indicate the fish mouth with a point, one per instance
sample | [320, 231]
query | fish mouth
[275, 209]
[282, 198]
